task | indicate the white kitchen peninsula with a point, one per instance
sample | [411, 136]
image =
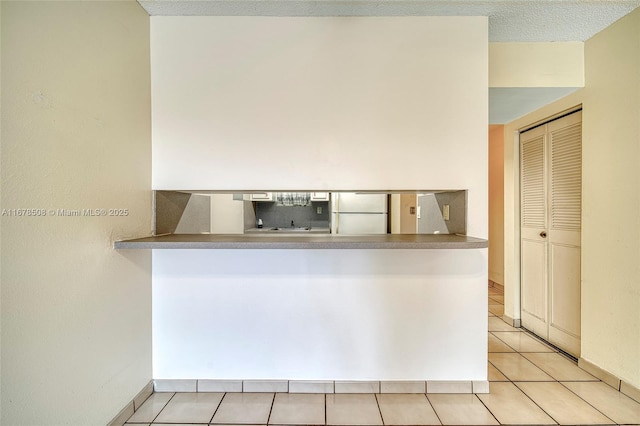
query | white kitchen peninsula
[314, 318]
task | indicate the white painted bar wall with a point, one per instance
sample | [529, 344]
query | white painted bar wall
[320, 314]
[321, 103]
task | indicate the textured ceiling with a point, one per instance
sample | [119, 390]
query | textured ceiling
[509, 21]
[509, 103]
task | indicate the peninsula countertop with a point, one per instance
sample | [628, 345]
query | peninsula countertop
[303, 241]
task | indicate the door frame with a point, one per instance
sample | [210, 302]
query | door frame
[517, 283]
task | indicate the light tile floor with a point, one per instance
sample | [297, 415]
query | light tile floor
[531, 384]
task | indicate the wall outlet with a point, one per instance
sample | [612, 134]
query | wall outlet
[319, 210]
[445, 212]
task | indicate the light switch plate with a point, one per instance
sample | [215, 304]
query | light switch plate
[319, 210]
[445, 212]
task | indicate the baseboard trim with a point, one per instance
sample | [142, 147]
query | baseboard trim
[517, 323]
[601, 374]
[630, 390]
[322, 386]
[132, 406]
[124, 415]
[496, 278]
[610, 379]
[496, 285]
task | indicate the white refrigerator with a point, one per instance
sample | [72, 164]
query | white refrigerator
[358, 214]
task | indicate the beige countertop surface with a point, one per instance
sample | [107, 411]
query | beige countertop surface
[303, 241]
[285, 230]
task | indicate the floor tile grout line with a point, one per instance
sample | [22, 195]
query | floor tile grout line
[536, 404]
[494, 333]
[515, 383]
[488, 409]
[273, 401]
[554, 350]
[516, 386]
[522, 352]
[325, 405]
[587, 402]
[375, 395]
[163, 407]
[543, 342]
[433, 408]
[554, 379]
[217, 407]
[503, 340]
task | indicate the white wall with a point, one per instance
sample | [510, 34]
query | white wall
[76, 314]
[610, 235]
[320, 314]
[321, 103]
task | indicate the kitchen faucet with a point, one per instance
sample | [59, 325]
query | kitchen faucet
[292, 225]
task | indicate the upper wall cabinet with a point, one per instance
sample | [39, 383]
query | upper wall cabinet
[262, 196]
[319, 196]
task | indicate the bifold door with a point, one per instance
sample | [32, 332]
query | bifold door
[550, 195]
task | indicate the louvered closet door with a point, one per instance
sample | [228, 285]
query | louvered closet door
[533, 214]
[565, 137]
[551, 188]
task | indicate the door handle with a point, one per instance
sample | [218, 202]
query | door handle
[543, 234]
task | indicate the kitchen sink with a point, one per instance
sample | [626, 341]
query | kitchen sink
[288, 230]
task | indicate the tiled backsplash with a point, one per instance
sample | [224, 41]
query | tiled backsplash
[273, 215]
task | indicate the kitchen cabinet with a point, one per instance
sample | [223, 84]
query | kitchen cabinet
[319, 196]
[262, 196]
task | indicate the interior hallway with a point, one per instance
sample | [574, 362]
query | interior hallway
[531, 383]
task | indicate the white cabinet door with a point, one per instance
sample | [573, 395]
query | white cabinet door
[551, 190]
[319, 196]
[262, 196]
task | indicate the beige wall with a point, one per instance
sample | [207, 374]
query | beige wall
[536, 64]
[496, 204]
[0, 219]
[611, 205]
[1, 204]
[76, 314]
[611, 200]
